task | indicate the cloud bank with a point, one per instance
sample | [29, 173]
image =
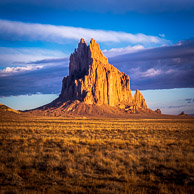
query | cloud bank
[159, 68]
[46, 80]
[10, 56]
[120, 51]
[13, 30]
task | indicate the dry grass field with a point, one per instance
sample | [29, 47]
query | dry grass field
[47, 155]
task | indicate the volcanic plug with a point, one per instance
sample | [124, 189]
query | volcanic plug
[95, 87]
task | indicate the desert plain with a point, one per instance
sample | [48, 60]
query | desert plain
[40, 154]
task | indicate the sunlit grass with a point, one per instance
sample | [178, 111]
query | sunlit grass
[96, 155]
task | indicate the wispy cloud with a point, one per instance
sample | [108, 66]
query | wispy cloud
[179, 106]
[152, 72]
[145, 74]
[9, 56]
[14, 30]
[13, 70]
[46, 80]
[162, 35]
[120, 51]
[189, 100]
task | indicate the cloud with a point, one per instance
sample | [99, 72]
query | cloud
[162, 35]
[13, 70]
[49, 61]
[120, 51]
[180, 106]
[34, 65]
[175, 52]
[13, 30]
[159, 68]
[148, 73]
[46, 80]
[152, 72]
[115, 6]
[8, 56]
[189, 100]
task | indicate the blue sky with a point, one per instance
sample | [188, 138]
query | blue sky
[152, 41]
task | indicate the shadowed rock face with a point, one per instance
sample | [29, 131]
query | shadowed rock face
[93, 80]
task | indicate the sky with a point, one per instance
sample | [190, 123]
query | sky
[152, 41]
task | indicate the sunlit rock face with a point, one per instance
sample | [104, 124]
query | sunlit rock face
[93, 80]
[139, 100]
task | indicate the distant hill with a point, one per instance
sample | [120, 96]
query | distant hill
[7, 112]
[4, 108]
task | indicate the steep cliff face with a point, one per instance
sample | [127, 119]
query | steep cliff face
[93, 80]
[139, 100]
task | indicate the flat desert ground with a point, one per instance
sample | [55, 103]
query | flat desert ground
[81, 155]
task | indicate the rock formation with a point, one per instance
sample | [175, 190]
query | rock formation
[158, 111]
[183, 114]
[93, 80]
[139, 100]
[95, 87]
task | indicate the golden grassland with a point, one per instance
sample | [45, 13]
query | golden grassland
[48, 155]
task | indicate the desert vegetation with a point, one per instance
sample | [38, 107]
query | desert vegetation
[48, 155]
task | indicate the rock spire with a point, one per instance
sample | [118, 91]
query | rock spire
[93, 80]
[139, 100]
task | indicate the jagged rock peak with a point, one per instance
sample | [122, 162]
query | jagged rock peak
[81, 45]
[95, 53]
[82, 40]
[93, 80]
[79, 60]
[158, 111]
[139, 100]
[84, 56]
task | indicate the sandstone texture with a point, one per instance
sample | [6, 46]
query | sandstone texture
[139, 100]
